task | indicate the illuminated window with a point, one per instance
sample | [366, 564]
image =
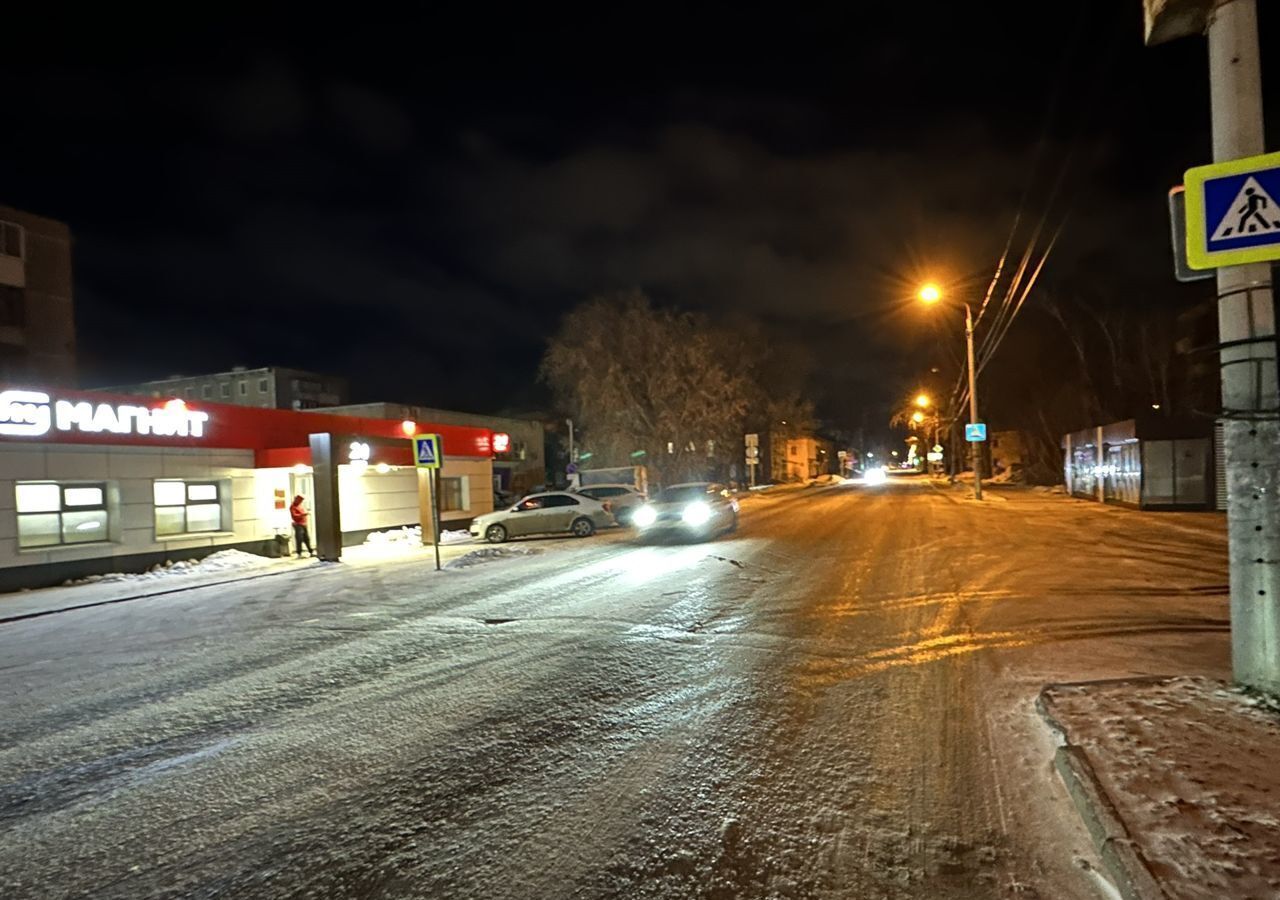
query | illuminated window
[187, 507]
[52, 513]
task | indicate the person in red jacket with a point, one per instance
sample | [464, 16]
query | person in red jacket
[299, 515]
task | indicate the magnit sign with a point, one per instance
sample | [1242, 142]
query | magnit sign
[35, 414]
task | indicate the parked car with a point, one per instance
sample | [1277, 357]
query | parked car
[620, 499]
[699, 509]
[551, 512]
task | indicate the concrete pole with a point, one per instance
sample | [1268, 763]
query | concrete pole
[975, 450]
[1246, 312]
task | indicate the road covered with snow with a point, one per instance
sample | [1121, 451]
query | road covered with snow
[836, 701]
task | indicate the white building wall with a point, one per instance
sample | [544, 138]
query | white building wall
[129, 473]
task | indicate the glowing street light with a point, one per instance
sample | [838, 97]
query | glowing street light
[917, 417]
[929, 295]
[922, 401]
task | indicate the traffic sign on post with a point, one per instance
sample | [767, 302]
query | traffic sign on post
[428, 451]
[1233, 217]
[976, 432]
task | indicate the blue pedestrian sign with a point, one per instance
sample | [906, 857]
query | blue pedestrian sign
[428, 451]
[975, 433]
[1233, 217]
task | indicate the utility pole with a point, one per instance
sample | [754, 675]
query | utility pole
[975, 453]
[1246, 329]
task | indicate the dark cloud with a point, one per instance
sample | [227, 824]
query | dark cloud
[417, 205]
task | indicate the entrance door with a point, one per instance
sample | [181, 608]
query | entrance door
[303, 484]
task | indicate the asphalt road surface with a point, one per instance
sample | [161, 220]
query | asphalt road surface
[833, 702]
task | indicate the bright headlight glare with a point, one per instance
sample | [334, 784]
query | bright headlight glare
[874, 476]
[644, 516]
[696, 513]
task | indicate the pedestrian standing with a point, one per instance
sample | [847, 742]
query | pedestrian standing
[299, 514]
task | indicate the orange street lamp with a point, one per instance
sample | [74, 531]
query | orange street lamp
[930, 294]
[922, 401]
[917, 417]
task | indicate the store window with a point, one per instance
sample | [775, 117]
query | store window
[51, 513]
[187, 507]
[452, 495]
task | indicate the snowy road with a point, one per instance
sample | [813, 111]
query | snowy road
[834, 702]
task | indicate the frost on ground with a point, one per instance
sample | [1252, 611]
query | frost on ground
[213, 564]
[411, 536]
[488, 554]
[1190, 765]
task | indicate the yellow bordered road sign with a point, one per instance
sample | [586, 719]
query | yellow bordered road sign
[428, 451]
[1233, 212]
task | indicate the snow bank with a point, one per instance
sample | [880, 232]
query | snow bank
[215, 563]
[412, 537]
[488, 554]
[1190, 765]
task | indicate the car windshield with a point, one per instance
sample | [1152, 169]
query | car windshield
[683, 493]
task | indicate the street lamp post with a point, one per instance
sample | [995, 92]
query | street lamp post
[931, 294]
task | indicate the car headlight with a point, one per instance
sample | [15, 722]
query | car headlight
[874, 476]
[645, 516]
[696, 513]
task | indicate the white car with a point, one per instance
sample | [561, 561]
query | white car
[553, 512]
[620, 499]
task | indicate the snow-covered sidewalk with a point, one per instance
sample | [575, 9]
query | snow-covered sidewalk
[1177, 780]
[217, 568]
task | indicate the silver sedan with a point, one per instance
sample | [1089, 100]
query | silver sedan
[554, 512]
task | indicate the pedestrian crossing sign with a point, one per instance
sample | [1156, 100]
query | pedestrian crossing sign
[975, 432]
[1233, 217]
[428, 451]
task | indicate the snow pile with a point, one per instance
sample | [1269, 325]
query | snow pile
[214, 564]
[411, 536]
[488, 554]
[1190, 765]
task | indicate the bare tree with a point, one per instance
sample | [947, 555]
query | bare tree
[659, 381]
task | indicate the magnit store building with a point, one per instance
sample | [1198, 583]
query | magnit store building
[93, 483]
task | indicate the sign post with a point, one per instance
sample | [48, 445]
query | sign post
[753, 457]
[428, 453]
[1233, 225]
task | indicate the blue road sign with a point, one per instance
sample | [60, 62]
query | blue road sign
[1232, 214]
[428, 451]
[975, 433]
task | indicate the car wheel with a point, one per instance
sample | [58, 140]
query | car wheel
[582, 527]
[495, 534]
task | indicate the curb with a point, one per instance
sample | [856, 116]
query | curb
[1120, 854]
[41, 613]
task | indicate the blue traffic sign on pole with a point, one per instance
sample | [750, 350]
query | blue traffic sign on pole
[1233, 217]
[428, 451]
[976, 432]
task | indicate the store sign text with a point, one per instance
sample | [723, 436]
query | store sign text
[35, 413]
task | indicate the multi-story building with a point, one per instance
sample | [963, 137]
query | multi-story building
[37, 320]
[269, 388]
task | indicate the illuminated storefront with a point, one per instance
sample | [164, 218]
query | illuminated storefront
[1148, 463]
[93, 483]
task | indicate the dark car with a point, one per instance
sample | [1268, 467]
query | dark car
[700, 509]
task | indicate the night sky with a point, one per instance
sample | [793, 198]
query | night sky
[415, 203]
